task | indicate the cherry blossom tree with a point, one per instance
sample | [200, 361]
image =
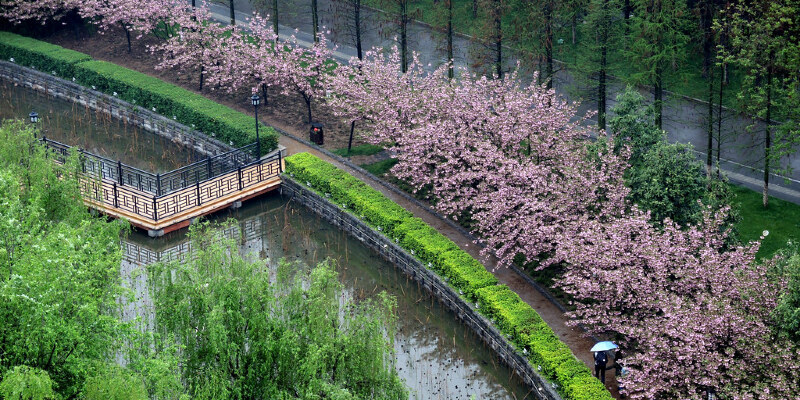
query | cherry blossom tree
[694, 314]
[198, 43]
[40, 10]
[513, 159]
[132, 16]
[306, 70]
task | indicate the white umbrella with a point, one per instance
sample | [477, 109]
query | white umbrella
[604, 346]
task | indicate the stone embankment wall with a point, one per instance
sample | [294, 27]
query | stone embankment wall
[131, 113]
[426, 278]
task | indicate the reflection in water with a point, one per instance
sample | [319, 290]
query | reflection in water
[437, 357]
[75, 125]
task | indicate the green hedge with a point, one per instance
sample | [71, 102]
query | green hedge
[515, 318]
[40, 55]
[188, 108]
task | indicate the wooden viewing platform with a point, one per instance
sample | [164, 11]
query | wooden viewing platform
[164, 203]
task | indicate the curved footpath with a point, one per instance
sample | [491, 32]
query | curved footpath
[550, 311]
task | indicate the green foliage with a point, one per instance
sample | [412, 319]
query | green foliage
[669, 183]
[632, 125]
[586, 387]
[788, 311]
[40, 55]
[515, 318]
[186, 107]
[25, 383]
[245, 336]
[114, 383]
[664, 178]
[59, 267]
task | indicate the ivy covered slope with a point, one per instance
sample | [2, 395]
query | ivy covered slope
[169, 100]
[515, 318]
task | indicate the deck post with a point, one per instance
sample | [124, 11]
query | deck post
[239, 173]
[116, 202]
[158, 184]
[197, 182]
[119, 173]
[155, 208]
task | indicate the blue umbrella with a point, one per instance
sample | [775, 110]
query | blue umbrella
[604, 346]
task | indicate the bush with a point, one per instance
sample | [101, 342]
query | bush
[515, 318]
[40, 55]
[26, 383]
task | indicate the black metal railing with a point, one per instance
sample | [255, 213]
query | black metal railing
[157, 184]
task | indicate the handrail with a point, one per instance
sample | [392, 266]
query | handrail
[159, 184]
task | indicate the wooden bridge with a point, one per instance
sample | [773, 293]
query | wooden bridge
[161, 203]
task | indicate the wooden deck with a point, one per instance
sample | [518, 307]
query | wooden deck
[162, 214]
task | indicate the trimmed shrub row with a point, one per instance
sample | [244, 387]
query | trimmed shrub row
[515, 318]
[42, 56]
[188, 108]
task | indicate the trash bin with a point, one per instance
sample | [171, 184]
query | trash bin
[317, 134]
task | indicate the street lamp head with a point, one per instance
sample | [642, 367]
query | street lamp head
[34, 117]
[256, 100]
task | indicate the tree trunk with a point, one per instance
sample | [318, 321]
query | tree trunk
[710, 130]
[626, 10]
[233, 14]
[719, 117]
[127, 35]
[601, 78]
[350, 141]
[548, 43]
[706, 18]
[314, 21]
[474, 9]
[450, 72]
[202, 76]
[498, 39]
[264, 94]
[275, 16]
[767, 136]
[308, 105]
[404, 35]
[658, 95]
[357, 20]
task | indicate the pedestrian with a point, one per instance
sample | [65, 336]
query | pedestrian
[600, 362]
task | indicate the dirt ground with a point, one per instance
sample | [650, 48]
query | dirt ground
[289, 114]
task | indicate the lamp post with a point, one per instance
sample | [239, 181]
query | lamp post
[34, 116]
[256, 100]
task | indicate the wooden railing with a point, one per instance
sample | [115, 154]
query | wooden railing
[160, 197]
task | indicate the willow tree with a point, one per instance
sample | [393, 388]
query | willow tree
[245, 336]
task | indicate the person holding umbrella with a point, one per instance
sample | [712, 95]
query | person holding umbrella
[601, 359]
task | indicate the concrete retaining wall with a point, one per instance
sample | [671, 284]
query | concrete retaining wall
[101, 102]
[426, 278]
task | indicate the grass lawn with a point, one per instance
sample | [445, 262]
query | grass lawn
[360, 150]
[781, 219]
[380, 168]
